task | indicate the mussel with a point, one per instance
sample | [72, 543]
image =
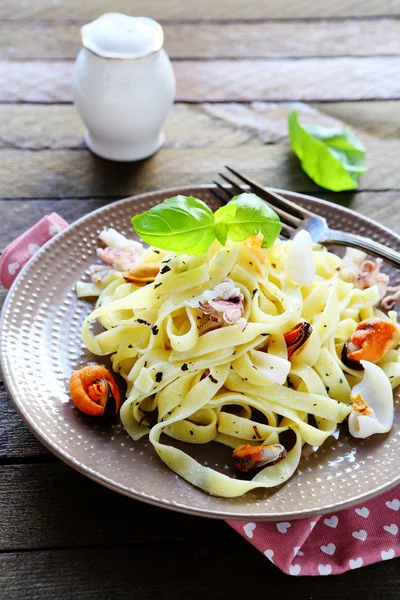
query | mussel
[94, 391]
[249, 457]
[297, 337]
[371, 340]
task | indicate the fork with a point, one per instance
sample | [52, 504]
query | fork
[294, 218]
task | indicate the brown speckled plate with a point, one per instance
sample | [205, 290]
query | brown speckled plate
[40, 347]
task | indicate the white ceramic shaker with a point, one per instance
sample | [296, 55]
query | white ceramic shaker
[123, 85]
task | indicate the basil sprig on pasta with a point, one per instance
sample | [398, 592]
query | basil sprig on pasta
[184, 224]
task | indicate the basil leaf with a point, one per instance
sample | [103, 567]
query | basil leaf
[333, 158]
[182, 224]
[244, 216]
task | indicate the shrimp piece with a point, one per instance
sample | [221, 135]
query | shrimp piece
[120, 260]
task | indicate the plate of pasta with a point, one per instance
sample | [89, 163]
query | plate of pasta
[213, 369]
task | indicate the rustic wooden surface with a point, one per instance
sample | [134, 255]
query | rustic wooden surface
[241, 67]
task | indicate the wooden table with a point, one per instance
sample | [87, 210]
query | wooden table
[240, 67]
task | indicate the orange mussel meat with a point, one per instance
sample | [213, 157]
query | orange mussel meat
[297, 337]
[372, 339]
[94, 391]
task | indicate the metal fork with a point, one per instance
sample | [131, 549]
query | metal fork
[294, 217]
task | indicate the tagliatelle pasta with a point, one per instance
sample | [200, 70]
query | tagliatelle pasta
[203, 351]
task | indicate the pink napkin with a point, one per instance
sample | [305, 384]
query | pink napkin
[26, 245]
[323, 545]
[330, 544]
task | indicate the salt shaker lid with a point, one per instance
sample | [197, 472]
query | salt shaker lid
[115, 35]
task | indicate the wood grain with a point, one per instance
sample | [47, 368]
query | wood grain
[16, 441]
[49, 40]
[21, 215]
[77, 173]
[58, 126]
[182, 570]
[309, 79]
[53, 493]
[206, 9]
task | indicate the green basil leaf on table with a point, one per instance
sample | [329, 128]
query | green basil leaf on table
[333, 158]
[245, 216]
[182, 224]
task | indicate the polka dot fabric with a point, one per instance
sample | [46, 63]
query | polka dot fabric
[330, 544]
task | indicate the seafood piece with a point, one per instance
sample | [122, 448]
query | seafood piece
[94, 391]
[142, 274]
[249, 457]
[120, 260]
[98, 273]
[223, 304]
[299, 261]
[111, 237]
[391, 299]
[297, 337]
[363, 273]
[372, 410]
[372, 339]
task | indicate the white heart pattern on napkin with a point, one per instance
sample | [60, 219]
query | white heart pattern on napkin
[13, 268]
[283, 527]
[329, 549]
[269, 554]
[294, 569]
[387, 555]
[248, 529]
[313, 524]
[297, 551]
[32, 248]
[324, 569]
[53, 229]
[393, 529]
[363, 512]
[393, 504]
[360, 535]
[356, 563]
[332, 522]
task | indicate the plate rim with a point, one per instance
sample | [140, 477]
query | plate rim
[140, 496]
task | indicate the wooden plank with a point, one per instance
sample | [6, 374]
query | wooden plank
[46, 40]
[177, 571]
[207, 9]
[373, 118]
[22, 214]
[58, 126]
[47, 511]
[310, 79]
[16, 441]
[77, 173]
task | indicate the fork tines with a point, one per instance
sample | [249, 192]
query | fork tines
[290, 214]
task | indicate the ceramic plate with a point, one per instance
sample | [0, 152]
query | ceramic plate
[40, 347]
